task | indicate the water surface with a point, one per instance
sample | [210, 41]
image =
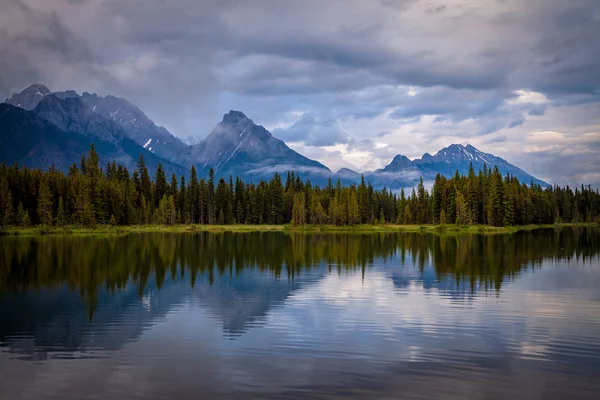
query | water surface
[274, 315]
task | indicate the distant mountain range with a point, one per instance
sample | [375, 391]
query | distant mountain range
[39, 128]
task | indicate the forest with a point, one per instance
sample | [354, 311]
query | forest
[90, 194]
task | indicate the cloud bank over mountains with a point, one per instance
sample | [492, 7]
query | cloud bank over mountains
[349, 83]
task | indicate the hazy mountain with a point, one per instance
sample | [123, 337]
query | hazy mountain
[71, 114]
[130, 118]
[30, 140]
[192, 140]
[399, 163]
[236, 146]
[239, 147]
[29, 98]
[33, 140]
[447, 161]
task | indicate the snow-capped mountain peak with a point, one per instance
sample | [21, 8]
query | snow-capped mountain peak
[30, 97]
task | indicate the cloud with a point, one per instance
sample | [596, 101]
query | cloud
[313, 131]
[415, 75]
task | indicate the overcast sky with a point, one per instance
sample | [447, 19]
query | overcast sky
[350, 83]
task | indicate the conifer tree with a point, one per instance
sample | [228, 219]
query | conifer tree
[443, 219]
[461, 210]
[298, 210]
[160, 184]
[60, 213]
[210, 200]
[6, 204]
[23, 219]
[44, 204]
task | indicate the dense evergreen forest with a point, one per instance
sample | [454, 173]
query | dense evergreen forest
[89, 194]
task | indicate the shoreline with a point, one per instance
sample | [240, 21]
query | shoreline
[117, 230]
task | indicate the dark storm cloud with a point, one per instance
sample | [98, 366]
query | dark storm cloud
[28, 37]
[277, 51]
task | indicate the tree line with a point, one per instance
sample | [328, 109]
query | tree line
[89, 194]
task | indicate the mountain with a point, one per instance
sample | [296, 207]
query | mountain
[398, 163]
[236, 146]
[62, 132]
[239, 147]
[134, 122]
[71, 114]
[29, 98]
[30, 140]
[130, 118]
[450, 159]
[192, 140]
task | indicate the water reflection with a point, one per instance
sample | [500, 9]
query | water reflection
[364, 314]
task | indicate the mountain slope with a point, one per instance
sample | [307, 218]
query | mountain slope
[34, 142]
[403, 172]
[30, 140]
[72, 115]
[134, 122]
[29, 98]
[239, 147]
[457, 157]
[236, 146]
[136, 125]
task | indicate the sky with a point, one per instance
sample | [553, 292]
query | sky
[350, 83]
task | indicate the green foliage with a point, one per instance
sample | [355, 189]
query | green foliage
[6, 203]
[23, 219]
[88, 196]
[461, 210]
[44, 203]
[443, 219]
[299, 210]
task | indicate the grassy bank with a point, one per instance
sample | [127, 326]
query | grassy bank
[117, 230]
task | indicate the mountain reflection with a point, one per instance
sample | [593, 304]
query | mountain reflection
[127, 283]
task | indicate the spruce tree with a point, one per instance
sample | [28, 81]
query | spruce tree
[44, 204]
[6, 204]
[160, 184]
[60, 213]
[298, 210]
[210, 200]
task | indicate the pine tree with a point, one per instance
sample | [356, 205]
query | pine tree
[60, 213]
[192, 205]
[422, 214]
[443, 219]
[210, 200]
[173, 190]
[298, 210]
[145, 188]
[44, 204]
[87, 196]
[6, 204]
[508, 209]
[353, 209]
[23, 219]
[408, 218]
[319, 216]
[461, 210]
[160, 184]
[277, 204]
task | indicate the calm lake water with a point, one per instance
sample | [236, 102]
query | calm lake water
[272, 315]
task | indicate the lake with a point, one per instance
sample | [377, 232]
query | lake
[274, 315]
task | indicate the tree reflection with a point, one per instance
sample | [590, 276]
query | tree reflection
[89, 264]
